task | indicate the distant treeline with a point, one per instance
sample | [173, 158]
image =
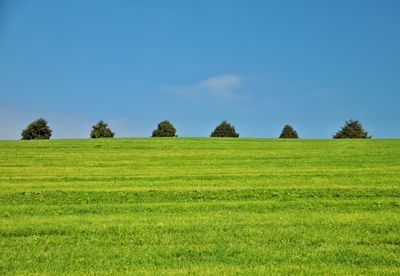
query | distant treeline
[39, 129]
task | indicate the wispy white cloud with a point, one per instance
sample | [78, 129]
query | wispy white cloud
[224, 86]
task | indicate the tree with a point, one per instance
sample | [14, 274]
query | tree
[37, 130]
[164, 129]
[288, 132]
[101, 130]
[351, 129]
[224, 129]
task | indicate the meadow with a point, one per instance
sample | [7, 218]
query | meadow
[200, 206]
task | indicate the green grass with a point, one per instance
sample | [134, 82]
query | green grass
[200, 205]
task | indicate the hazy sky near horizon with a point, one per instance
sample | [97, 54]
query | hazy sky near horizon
[257, 64]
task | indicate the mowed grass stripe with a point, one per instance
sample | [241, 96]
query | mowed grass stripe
[350, 206]
[120, 197]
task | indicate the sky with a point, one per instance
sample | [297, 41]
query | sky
[257, 64]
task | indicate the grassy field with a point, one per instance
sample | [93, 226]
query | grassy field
[200, 205]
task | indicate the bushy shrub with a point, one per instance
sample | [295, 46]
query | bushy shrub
[164, 129]
[224, 129]
[37, 130]
[351, 129]
[288, 132]
[101, 130]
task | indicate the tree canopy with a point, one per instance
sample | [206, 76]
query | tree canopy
[224, 129]
[37, 130]
[288, 132]
[101, 130]
[164, 129]
[351, 129]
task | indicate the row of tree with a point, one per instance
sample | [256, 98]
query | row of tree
[39, 129]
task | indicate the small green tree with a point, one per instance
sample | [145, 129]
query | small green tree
[164, 129]
[224, 129]
[37, 130]
[101, 130]
[351, 129]
[288, 132]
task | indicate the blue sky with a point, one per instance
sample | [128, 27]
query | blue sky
[257, 64]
